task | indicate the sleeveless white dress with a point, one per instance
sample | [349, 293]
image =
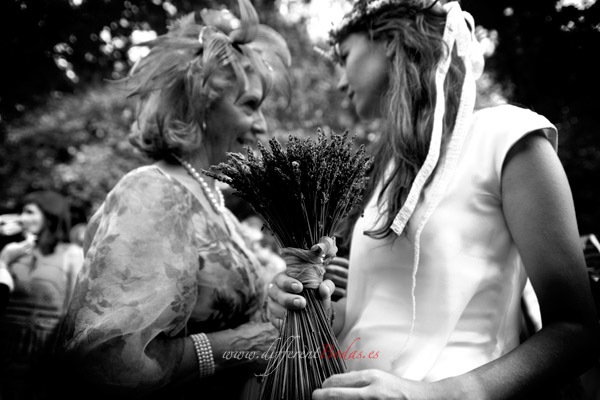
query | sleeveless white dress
[466, 306]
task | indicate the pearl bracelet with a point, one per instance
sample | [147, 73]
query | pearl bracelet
[206, 362]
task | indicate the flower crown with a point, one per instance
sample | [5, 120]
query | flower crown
[365, 8]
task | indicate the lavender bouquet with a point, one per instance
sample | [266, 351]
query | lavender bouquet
[302, 192]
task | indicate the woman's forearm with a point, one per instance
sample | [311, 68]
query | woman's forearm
[243, 345]
[538, 367]
[165, 361]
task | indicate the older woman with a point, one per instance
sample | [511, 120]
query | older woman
[169, 288]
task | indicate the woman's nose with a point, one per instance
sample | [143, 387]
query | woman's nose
[343, 83]
[259, 125]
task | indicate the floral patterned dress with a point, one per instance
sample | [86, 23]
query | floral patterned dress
[158, 267]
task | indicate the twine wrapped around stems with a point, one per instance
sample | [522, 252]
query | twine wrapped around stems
[304, 331]
[308, 265]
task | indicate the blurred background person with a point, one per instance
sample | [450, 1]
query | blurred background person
[10, 229]
[43, 268]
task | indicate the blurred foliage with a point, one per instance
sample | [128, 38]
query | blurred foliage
[74, 138]
[62, 126]
[75, 143]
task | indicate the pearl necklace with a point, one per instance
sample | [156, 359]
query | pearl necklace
[219, 206]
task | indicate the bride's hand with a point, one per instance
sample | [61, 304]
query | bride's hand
[376, 384]
[337, 272]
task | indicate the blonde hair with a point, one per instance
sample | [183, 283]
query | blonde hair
[170, 119]
[191, 67]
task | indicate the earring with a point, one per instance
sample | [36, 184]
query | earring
[203, 126]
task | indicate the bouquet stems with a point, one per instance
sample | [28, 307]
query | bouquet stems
[302, 192]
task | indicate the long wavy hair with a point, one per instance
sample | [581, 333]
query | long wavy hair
[415, 47]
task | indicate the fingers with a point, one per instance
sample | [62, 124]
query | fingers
[277, 323]
[14, 250]
[338, 270]
[340, 393]
[287, 283]
[276, 314]
[352, 379]
[277, 310]
[351, 385]
[336, 280]
[339, 275]
[338, 294]
[340, 261]
[283, 292]
[283, 297]
[326, 289]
